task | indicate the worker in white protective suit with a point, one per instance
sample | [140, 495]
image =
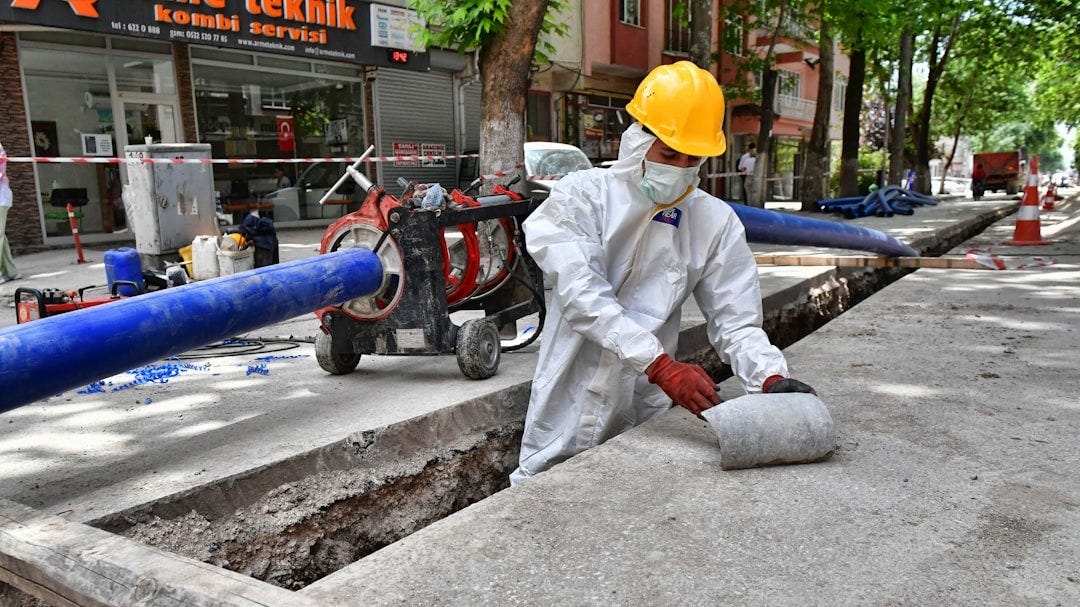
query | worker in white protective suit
[622, 249]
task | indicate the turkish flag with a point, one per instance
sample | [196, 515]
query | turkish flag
[286, 141]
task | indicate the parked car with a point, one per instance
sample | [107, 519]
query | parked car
[301, 201]
[546, 162]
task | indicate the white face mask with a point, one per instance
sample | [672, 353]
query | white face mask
[664, 184]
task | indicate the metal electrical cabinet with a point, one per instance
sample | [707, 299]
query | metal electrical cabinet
[168, 204]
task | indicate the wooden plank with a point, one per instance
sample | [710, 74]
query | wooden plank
[67, 563]
[856, 261]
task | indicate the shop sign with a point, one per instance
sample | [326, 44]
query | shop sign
[96, 144]
[406, 148]
[333, 30]
[433, 149]
[286, 134]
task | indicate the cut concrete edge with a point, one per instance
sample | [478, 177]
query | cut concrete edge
[374, 456]
[67, 563]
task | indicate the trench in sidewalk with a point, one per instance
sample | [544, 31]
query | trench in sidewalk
[296, 521]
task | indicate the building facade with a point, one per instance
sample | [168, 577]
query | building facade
[581, 97]
[257, 80]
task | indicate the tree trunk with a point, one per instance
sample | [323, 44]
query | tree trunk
[952, 152]
[849, 139]
[903, 100]
[759, 190]
[940, 46]
[759, 193]
[701, 20]
[505, 75]
[816, 167]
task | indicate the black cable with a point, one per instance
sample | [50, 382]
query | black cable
[539, 298]
[242, 347]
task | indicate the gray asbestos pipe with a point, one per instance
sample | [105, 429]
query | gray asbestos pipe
[769, 429]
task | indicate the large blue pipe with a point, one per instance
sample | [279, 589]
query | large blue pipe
[769, 227]
[56, 353]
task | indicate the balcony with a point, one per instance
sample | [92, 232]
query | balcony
[797, 108]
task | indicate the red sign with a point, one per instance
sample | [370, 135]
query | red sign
[406, 148]
[286, 140]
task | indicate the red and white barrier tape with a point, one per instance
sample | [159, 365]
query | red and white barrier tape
[346, 159]
[499, 174]
[112, 160]
[996, 262]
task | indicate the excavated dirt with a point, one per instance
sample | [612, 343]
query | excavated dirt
[295, 534]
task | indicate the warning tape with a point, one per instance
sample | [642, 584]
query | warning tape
[498, 174]
[996, 262]
[113, 160]
[346, 159]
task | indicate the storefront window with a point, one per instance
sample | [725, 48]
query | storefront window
[603, 120]
[89, 96]
[69, 98]
[144, 75]
[273, 112]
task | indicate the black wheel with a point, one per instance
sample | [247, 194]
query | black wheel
[478, 348]
[336, 363]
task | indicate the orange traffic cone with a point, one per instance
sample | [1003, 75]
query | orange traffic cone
[1049, 198]
[1028, 229]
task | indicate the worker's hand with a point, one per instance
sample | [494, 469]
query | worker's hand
[774, 384]
[688, 385]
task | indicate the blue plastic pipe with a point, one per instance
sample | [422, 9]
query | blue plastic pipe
[56, 353]
[769, 227]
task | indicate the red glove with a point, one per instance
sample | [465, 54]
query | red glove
[775, 384]
[688, 385]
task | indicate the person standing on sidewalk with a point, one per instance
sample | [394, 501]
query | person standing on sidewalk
[623, 248]
[7, 262]
[746, 169]
[978, 181]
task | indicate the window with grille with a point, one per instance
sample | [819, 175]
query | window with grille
[630, 11]
[678, 26]
[789, 83]
[839, 92]
[734, 38]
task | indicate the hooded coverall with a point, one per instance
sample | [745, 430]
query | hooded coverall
[620, 271]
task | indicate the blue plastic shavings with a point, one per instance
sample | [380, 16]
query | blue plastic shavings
[271, 357]
[94, 388]
[150, 374]
[261, 369]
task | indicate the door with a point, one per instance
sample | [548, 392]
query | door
[156, 120]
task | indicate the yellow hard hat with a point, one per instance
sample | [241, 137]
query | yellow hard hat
[682, 105]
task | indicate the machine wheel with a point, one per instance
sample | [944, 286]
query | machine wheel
[478, 348]
[335, 363]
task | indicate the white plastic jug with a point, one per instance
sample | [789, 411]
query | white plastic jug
[204, 260]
